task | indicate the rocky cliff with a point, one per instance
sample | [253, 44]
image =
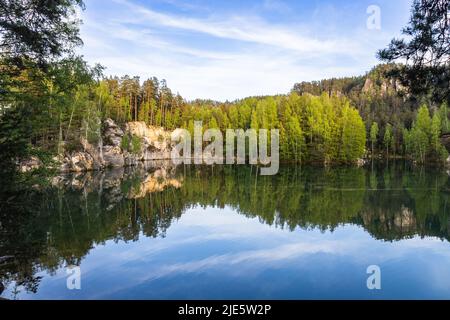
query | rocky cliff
[445, 139]
[118, 146]
[121, 146]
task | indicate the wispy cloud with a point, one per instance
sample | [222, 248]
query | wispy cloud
[224, 54]
[276, 5]
[243, 28]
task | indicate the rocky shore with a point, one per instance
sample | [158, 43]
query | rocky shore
[129, 145]
[117, 147]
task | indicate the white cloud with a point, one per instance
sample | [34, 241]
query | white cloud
[231, 57]
[243, 28]
[276, 5]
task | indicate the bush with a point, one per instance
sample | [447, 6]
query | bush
[125, 143]
[131, 144]
[135, 144]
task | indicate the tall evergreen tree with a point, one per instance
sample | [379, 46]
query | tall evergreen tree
[374, 136]
[426, 50]
[388, 138]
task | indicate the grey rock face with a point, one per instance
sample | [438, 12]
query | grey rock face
[112, 133]
[113, 156]
[30, 164]
[153, 143]
[445, 139]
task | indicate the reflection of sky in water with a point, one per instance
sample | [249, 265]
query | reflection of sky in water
[217, 253]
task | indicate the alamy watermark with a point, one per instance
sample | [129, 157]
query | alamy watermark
[235, 147]
[374, 20]
[374, 280]
[73, 281]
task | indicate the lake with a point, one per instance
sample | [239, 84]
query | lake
[225, 232]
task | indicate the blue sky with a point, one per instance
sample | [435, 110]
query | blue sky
[237, 48]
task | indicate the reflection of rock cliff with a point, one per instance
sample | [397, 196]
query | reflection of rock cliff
[386, 215]
[400, 223]
[156, 182]
[58, 225]
[141, 180]
[405, 220]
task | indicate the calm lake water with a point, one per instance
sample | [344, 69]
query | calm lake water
[224, 232]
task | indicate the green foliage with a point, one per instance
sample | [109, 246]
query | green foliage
[423, 140]
[321, 121]
[423, 120]
[14, 130]
[254, 122]
[388, 139]
[125, 143]
[353, 142]
[36, 83]
[443, 114]
[427, 49]
[38, 30]
[377, 98]
[374, 135]
[213, 123]
[312, 127]
[131, 143]
[136, 144]
[420, 144]
[144, 112]
[436, 125]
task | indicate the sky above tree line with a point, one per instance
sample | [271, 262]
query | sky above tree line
[232, 49]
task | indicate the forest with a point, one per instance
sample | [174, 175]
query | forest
[394, 119]
[49, 96]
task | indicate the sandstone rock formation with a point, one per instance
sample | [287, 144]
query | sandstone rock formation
[445, 139]
[156, 142]
[112, 133]
[29, 164]
[113, 156]
[117, 147]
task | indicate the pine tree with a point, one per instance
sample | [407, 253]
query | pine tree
[443, 113]
[353, 135]
[296, 139]
[374, 135]
[388, 138]
[436, 132]
[254, 121]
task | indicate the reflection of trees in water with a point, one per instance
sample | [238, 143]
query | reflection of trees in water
[403, 203]
[49, 229]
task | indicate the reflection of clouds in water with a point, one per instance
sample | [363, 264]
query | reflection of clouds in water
[212, 240]
[223, 227]
[277, 248]
[258, 258]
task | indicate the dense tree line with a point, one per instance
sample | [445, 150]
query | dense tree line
[312, 128]
[426, 73]
[41, 79]
[49, 97]
[72, 102]
[317, 121]
[389, 111]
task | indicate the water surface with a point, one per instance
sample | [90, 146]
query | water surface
[224, 232]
